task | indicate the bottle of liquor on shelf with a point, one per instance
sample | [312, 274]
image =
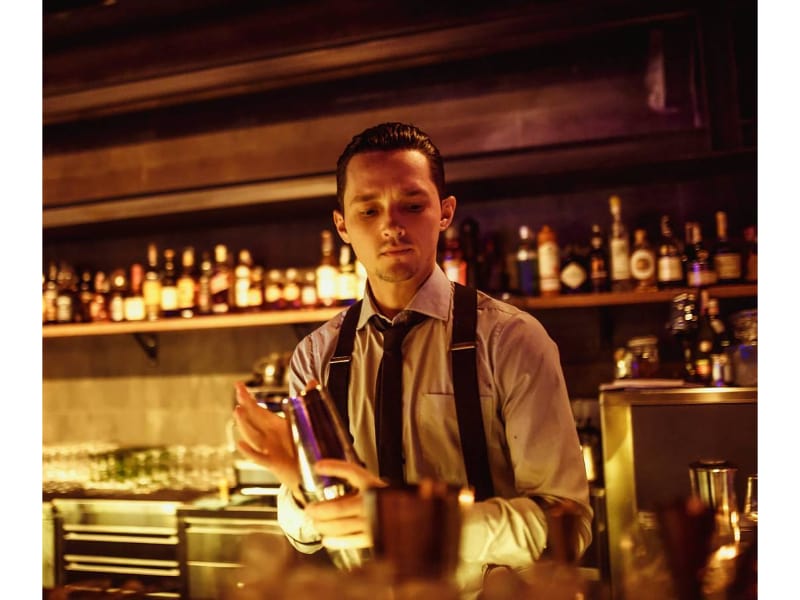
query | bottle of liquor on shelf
[326, 271]
[151, 288]
[750, 254]
[549, 262]
[85, 295]
[598, 261]
[99, 306]
[67, 298]
[469, 240]
[116, 300]
[273, 290]
[574, 277]
[699, 265]
[494, 277]
[133, 307]
[169, 286]
[204, 284]
[727, 257]
[619, 248]
[527, 263]
[703, 342]
[221, 284]
[50, 293]
[347, 280]
[669, 273]
[255, 293]
[308, 289]
[187, 284]
[453, 263]
[291, 288]
[643, 262]
[242, 275]
[721, 364]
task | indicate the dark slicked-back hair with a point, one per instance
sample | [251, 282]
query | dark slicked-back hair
[390, 136]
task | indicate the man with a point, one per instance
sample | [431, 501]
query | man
[392, 209]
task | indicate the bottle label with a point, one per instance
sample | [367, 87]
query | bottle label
[273, 294]
[185, 293]
[643, 265]
[620, 260]
[573, 276]
[169, 297]
[670, 269]
[117, 309]
[219, 283]
[255, 297]
[133, 308]
[528, 277]
[326, 284]
[549, 267]
[151, 290]
[64, 309]
[728, 266]
[241, 297]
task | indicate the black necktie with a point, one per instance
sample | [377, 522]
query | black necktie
[389, 397]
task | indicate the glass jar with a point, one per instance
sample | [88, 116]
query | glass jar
[745, 353]
[644, 356]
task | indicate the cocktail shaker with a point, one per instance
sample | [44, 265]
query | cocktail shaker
[712, 481]
[317, 433]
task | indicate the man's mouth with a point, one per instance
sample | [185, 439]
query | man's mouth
[396, 251]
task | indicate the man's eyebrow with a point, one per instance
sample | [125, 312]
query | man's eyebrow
[364, 197]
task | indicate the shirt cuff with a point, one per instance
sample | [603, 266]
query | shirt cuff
[294, 522]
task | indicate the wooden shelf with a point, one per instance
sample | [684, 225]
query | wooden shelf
[291, 317]
[625, 298]
[284, 317]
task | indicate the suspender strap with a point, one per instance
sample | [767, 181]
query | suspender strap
[339, 369]
[465, 384]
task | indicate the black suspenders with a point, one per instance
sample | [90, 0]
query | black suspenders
[465, 383]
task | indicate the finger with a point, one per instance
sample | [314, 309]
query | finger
[248, 430]
[356, 475]
[243, 396]
[357, 540]
[349, 505]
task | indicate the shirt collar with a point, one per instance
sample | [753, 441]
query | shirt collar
[432, 299]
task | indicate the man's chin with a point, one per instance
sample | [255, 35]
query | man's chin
[396, 273]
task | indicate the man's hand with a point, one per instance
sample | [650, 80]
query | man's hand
[266, 439]
[343, 522]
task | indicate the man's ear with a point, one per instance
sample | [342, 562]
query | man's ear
[341, 228]
[448, 212]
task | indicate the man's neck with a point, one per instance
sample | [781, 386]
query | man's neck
[390, 298]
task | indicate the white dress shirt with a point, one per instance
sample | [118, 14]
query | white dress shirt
[531, 439]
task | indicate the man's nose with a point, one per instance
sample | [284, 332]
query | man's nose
[392, 226]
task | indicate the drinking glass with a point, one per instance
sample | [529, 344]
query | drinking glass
[751, 499]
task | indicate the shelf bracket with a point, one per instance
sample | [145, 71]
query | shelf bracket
[149, 343]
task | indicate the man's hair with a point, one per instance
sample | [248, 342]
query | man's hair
[385, 137]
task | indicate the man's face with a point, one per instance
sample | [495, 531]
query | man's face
[393, 215]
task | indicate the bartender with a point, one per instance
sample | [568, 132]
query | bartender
[471, 392]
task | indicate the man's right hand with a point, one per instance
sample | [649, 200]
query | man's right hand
[266, 439]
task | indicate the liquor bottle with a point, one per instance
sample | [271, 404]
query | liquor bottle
[643, 262]
[242, 274]
[549, 262]
[574, 278]
[67, 297]
[527, 263]
[169, 286]
[291, 289]
[273, 290]
[133, 306]
[85, 295]
[598, 261]
[492, 276]
[699, 265]
[619, 249]
[347, 280]
[669, 273]
[326, 271]
[151, 288]
[99, 306]
[469, 240]
[721, 365]
[308, 289]
[116, 300]
[50, 293]
[453, 262]
[204, 284]
[187, 284]
[703, 343]
[727, 258]
[750, 254]
[255, 293]
[221, 283]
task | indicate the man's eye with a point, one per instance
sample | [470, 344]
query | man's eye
[415, 207]
[368, 212]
